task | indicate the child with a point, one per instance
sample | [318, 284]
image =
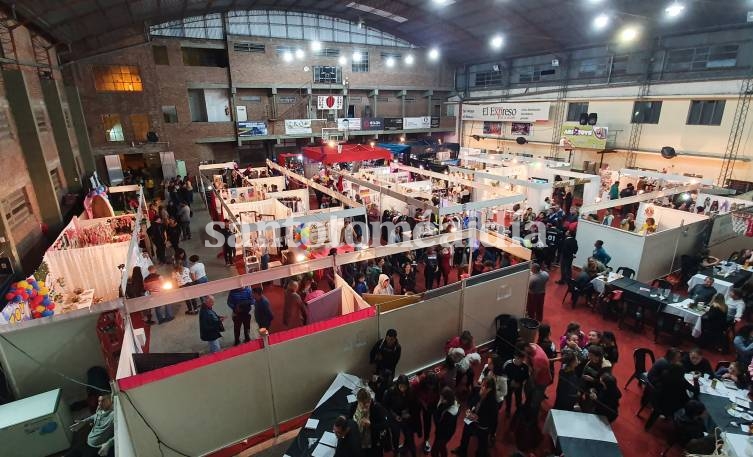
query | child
[361, 286]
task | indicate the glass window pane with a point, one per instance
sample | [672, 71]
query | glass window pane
[718, 112]
[278, 31]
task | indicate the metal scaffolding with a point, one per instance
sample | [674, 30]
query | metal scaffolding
[736, 131]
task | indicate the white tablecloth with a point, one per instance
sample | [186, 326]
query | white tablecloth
[578, 425]
[736, 445]
[600, 282]
[690, 316]
[722, 287]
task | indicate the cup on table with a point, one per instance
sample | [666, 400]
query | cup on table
[675, 298]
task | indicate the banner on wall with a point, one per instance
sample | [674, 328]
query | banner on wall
[510, 112]
[297, 126]
[372, 123]
[492, 128]
[435, 122]
[410, 123]
[520, 128]
[329, 102]
[393, 123]
[250, 128]
[585, 136]
[348, 123]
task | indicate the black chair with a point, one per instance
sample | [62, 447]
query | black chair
[576, 291]
[626, 272]
[661, 284]
[671, 324]
[641, 370]
[635, 311]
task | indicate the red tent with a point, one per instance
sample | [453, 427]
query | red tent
[349, 153]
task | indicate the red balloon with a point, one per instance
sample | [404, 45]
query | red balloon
[9, 296]
[51, 306]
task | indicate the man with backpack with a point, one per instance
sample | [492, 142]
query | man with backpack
[241, 302]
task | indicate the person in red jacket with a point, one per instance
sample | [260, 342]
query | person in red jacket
[465, 342]
[427, 391]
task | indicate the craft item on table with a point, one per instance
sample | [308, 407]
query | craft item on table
[34, 295]
[97, 205]
[114, 230]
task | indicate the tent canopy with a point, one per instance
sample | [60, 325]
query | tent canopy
[349, 153]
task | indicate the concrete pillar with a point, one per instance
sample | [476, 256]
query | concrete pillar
[31, 145]
[60, 131]
[79, 126]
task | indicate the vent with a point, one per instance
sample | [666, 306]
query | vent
[243, 46]
[383, 99]
[328, 52]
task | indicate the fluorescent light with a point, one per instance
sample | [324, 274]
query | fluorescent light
[390, 62]
[433, 54]
[601, 21]
[357, 56]
[342, 60]
[497, 41]
[409, 59]
[674, 9]
[287, 56]
[299, 54]
[316, 46]
[628, 34]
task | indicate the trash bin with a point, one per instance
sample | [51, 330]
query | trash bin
[528, 329]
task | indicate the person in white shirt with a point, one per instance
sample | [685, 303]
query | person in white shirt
[182, 277]
[608, 219]
[735, 305]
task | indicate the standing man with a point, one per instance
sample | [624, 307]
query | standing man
[348, 438]
[568, 250]
[386, 353]
[553, 241]
[536, 292]
[609, 218]
[614, 190]
[600, 253]
[210, 325]
[184, 218]
[228, 247]
[100, 439]
[241, 303]
[541, 378]
[262, 310]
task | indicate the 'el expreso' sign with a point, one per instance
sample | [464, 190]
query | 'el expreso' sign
[512, 112]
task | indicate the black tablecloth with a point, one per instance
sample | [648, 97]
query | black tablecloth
[632, 291]
[577, 447]
[327, 412]
[718, 416]
[737, 278]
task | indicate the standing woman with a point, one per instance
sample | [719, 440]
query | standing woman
[371, 419]
[295, 312]
[407, 279]
[609, 343]
[427, 393]
[445, 422]
[445, 258]
[182, 278]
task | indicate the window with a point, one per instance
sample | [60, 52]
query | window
[706, 112]
[534, 73]
[112, 127]
[328, 52]
[395, 55]
[251, 98]
[574, 110]
[244, 46]
[160, 55]
[328, 75]
[362, 66]
[209, 105]
[117, 78]
[410, 99]
[169, 115]
[5, 129]
[593, 68]
[281, 50]
[355, 99]
[620, 65]
[646, 112]
[41, 119]
[140, 126]
[488, 78]
[197, 105]
[286, 99]
[204, 57]
[57, 184]
[17, 207]
[702, 58]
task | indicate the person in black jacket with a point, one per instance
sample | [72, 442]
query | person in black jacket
[371, 419]
[407, 279]
[568, 250]
[670, 394]
[348, 439]
[695, 361]
[481, 416]
[210, 325]
[445, 422]
[606, 397]
[690, 429]
[386, 353]
[403, 413]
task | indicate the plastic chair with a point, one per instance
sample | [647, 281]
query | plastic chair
[575, 291]
[668, 323]
[633, 310]
[641, 370]
[626, 272]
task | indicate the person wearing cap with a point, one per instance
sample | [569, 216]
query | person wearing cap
[403, 414]
[383, 286]
[386, 353]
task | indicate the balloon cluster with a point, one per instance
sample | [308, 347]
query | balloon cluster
[35, 293]
[302, 236]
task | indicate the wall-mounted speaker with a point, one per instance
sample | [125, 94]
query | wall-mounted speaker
[152, 137]
[668, 152]
[521, 140]
[583, 119]
[593, 118]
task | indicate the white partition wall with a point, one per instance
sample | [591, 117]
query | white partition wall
[626, 248]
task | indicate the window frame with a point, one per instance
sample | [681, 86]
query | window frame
[108, 137]
[714, 120]
[654, 112]
[98, 75]
[570, 106]
[17, 207]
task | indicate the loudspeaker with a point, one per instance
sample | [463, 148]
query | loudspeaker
[668, 152]
[151, 137]
[583, 119]
[521, 140]
[593, 118]
[476, 137]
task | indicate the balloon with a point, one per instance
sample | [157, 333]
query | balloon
[39, 309]
[46, 300]
[51, 306]
[17, 299]
[9, 296]
[47, 312]
[44, 291]
[37, 300]
[41, 284]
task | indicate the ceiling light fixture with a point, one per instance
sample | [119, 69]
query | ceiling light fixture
[674, 9]
[390, 62]
[601, 21]
[287, 56]
[342, 60]
[299, 54]
[628, 34]
[316, 46]
[434, 54]
[357, 56]
[497, 41]
[409, 59]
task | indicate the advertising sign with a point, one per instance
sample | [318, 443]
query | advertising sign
[329, 102]
[393, 123]
[520, 128]
[510, 112]
[492, 128]
[584, 136]
[372, 123]
[435, 122]
[15, 312]
[251, 128]
[297, 126]
[349, 123]
[410, 123]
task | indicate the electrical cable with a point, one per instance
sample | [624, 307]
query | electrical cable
[160, 443]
